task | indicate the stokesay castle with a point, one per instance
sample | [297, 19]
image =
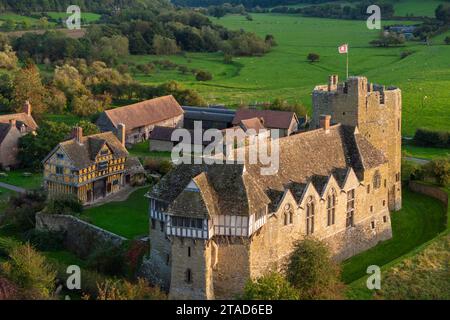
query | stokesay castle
[215, 226]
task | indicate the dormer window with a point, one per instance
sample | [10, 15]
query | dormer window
[102, 165]
[310, 212]
[104, 152]
[331, 207]
[60, 156]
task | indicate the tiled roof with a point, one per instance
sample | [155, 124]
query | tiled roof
[272, 119]
[311, 156]
[83, 154]
[21, 118]
[253, 123]
[162, 133]
[145, 113]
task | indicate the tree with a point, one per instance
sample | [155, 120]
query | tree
[442, 13]
[55, 100]
[387, 39]
[203, 76]
[30, 271]
[86, 105]
[164, 46]
[440, 169]
[34, 148]
[447, 40]
[8, 58]
[313, 57]
[272, 286]
[28, 87]
[22, 208]
[89, 128]
[311, 271]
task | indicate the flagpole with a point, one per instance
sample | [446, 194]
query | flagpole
[347, 63]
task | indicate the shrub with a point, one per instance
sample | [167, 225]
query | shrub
[22, 208]
[124, 290]
[311, 271]
[432, 138]
[107, 259]
[313, 57]
[134, 255]
[440, 170]
[64, 204]
[30, 271]
[272, 286]
[160, 166]
[447, 40]
[406, 53]
[45, 240]
[203, 76]
[8, 290]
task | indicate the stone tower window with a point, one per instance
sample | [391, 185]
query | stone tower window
[377, 180]
[310, 212]
[188, 276]
[189, 251]
[349, 221]
[331, 207]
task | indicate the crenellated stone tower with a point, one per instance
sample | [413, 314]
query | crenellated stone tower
[375, 110]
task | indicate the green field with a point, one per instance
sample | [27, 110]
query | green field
[285, 73]
[127, 218]
[416, 8]
[425, 153]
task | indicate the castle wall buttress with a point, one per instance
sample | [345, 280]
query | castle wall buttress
[191, 274]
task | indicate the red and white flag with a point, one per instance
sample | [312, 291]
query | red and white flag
[343, 48]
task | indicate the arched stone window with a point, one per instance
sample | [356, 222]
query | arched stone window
[331, 207]
[377, 180]
[310, 212]
[288, 215]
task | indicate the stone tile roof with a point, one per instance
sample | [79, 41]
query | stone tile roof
[253, 123]
[83, 154]
[271, 118]
[162, 133]
[4, 129]
[145, 113]
[307, 157]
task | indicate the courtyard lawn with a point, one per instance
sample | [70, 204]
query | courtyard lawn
[425, 152]
[421, 219]
[285, 73]
[128, 218]
[23, 179]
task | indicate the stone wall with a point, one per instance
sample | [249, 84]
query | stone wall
[430, 191]
[80, 237]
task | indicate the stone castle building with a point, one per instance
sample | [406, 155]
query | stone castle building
[215, 226]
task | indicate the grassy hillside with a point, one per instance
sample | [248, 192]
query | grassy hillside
[416, 7]
[285, 73]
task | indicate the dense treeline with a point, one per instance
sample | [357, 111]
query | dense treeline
[100, 6]
[432, 138]
[339, 11]
[246, 3]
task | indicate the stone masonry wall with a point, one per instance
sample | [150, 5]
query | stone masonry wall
[80, 237]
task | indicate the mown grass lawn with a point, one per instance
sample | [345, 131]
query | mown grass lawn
[141, 150]
[421, 219]
[425, 152]
[128, 218]
[19, 179]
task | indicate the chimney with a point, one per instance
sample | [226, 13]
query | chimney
[27, 108]
[12, 122]
[121, 133]
[325, 121]
[332, 82]
[77, 134]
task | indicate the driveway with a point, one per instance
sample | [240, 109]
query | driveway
[12, 188]
[417, 160]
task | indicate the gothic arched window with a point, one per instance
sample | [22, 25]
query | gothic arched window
[331, 207]
[310, 212]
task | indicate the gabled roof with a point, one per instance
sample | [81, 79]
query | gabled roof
[21, 118]
[253, 123]
[4, 130]
[83, 154]
[307, 161]
[162, 133]
[271, 118]
[145, 113]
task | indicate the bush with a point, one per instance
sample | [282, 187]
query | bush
[440, 170]
[313, 57]
[157, 165]
[311, 271]
[203, 76]
[107, 259]
[64, 204]
[22, 208]
[45, 240]
[272, 286]
[30, 271]
[405, 54]
[124, 290]
[447, 40]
